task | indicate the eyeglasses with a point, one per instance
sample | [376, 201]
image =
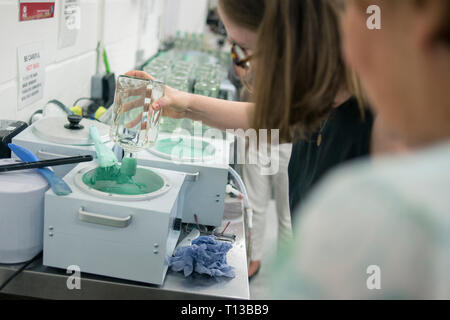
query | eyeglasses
[240, 58]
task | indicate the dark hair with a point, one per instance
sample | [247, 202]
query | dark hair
[244, 13]
[299, 69]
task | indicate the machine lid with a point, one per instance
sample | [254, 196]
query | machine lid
[146, 184]
[71, 130]
[184, 149]
[20, 182]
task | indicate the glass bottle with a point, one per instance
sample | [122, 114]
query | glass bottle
[135, 124]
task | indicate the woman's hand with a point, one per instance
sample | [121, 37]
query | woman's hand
[174, 103]
[217, 113]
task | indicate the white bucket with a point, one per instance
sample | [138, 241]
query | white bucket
[21, 214]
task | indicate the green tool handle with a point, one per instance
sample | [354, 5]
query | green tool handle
[95, 135]
[106, 61]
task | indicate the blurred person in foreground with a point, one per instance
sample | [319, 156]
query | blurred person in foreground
[381, 229]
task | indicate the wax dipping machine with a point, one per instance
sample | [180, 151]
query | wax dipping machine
[206, 161]
[59, 137]
[114, 234]
[120, 220]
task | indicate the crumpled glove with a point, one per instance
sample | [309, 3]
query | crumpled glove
[204, 256]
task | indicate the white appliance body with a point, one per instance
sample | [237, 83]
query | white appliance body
[205, 192]
[116, 238]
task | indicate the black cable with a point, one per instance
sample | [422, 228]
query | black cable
[15, 274]
[82, 99]
[40, 111]
[61, 105]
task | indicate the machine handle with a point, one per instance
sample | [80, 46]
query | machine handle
[103, 220]
[193, 177]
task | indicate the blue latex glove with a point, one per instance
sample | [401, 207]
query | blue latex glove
[204, 256]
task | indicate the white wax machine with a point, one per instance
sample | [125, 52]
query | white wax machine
[59, 137]
[119, 221]
[206, 161]
[117, 235]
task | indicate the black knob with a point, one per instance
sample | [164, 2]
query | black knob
[74, 122]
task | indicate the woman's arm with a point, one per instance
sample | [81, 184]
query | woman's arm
[217, 113]
[221, 114]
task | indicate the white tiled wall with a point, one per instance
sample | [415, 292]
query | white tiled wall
[185, 16]
[68, 71]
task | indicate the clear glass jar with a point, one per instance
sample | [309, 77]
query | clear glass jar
[156, 71]
[214, 87]
[135, 124]
[202, 88]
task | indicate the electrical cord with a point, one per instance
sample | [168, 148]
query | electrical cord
[39, 114]
[61, 105]
[90, 111]
[22, 268]
[247, 207]
[241, 186]
[83, 99]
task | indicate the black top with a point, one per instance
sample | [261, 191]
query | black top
[346, 135]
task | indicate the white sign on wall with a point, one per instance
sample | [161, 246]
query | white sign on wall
[70, 23]
[31, 74]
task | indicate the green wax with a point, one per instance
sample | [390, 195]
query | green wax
[185, 149]
[129, 167]
[106, 173]
[125, 180]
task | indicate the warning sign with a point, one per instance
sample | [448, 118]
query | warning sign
[31, 74]
[35, 10]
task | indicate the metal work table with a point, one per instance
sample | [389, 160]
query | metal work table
[38, 281]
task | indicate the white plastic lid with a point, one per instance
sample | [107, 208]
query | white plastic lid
[53, 129]
[20, 182]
